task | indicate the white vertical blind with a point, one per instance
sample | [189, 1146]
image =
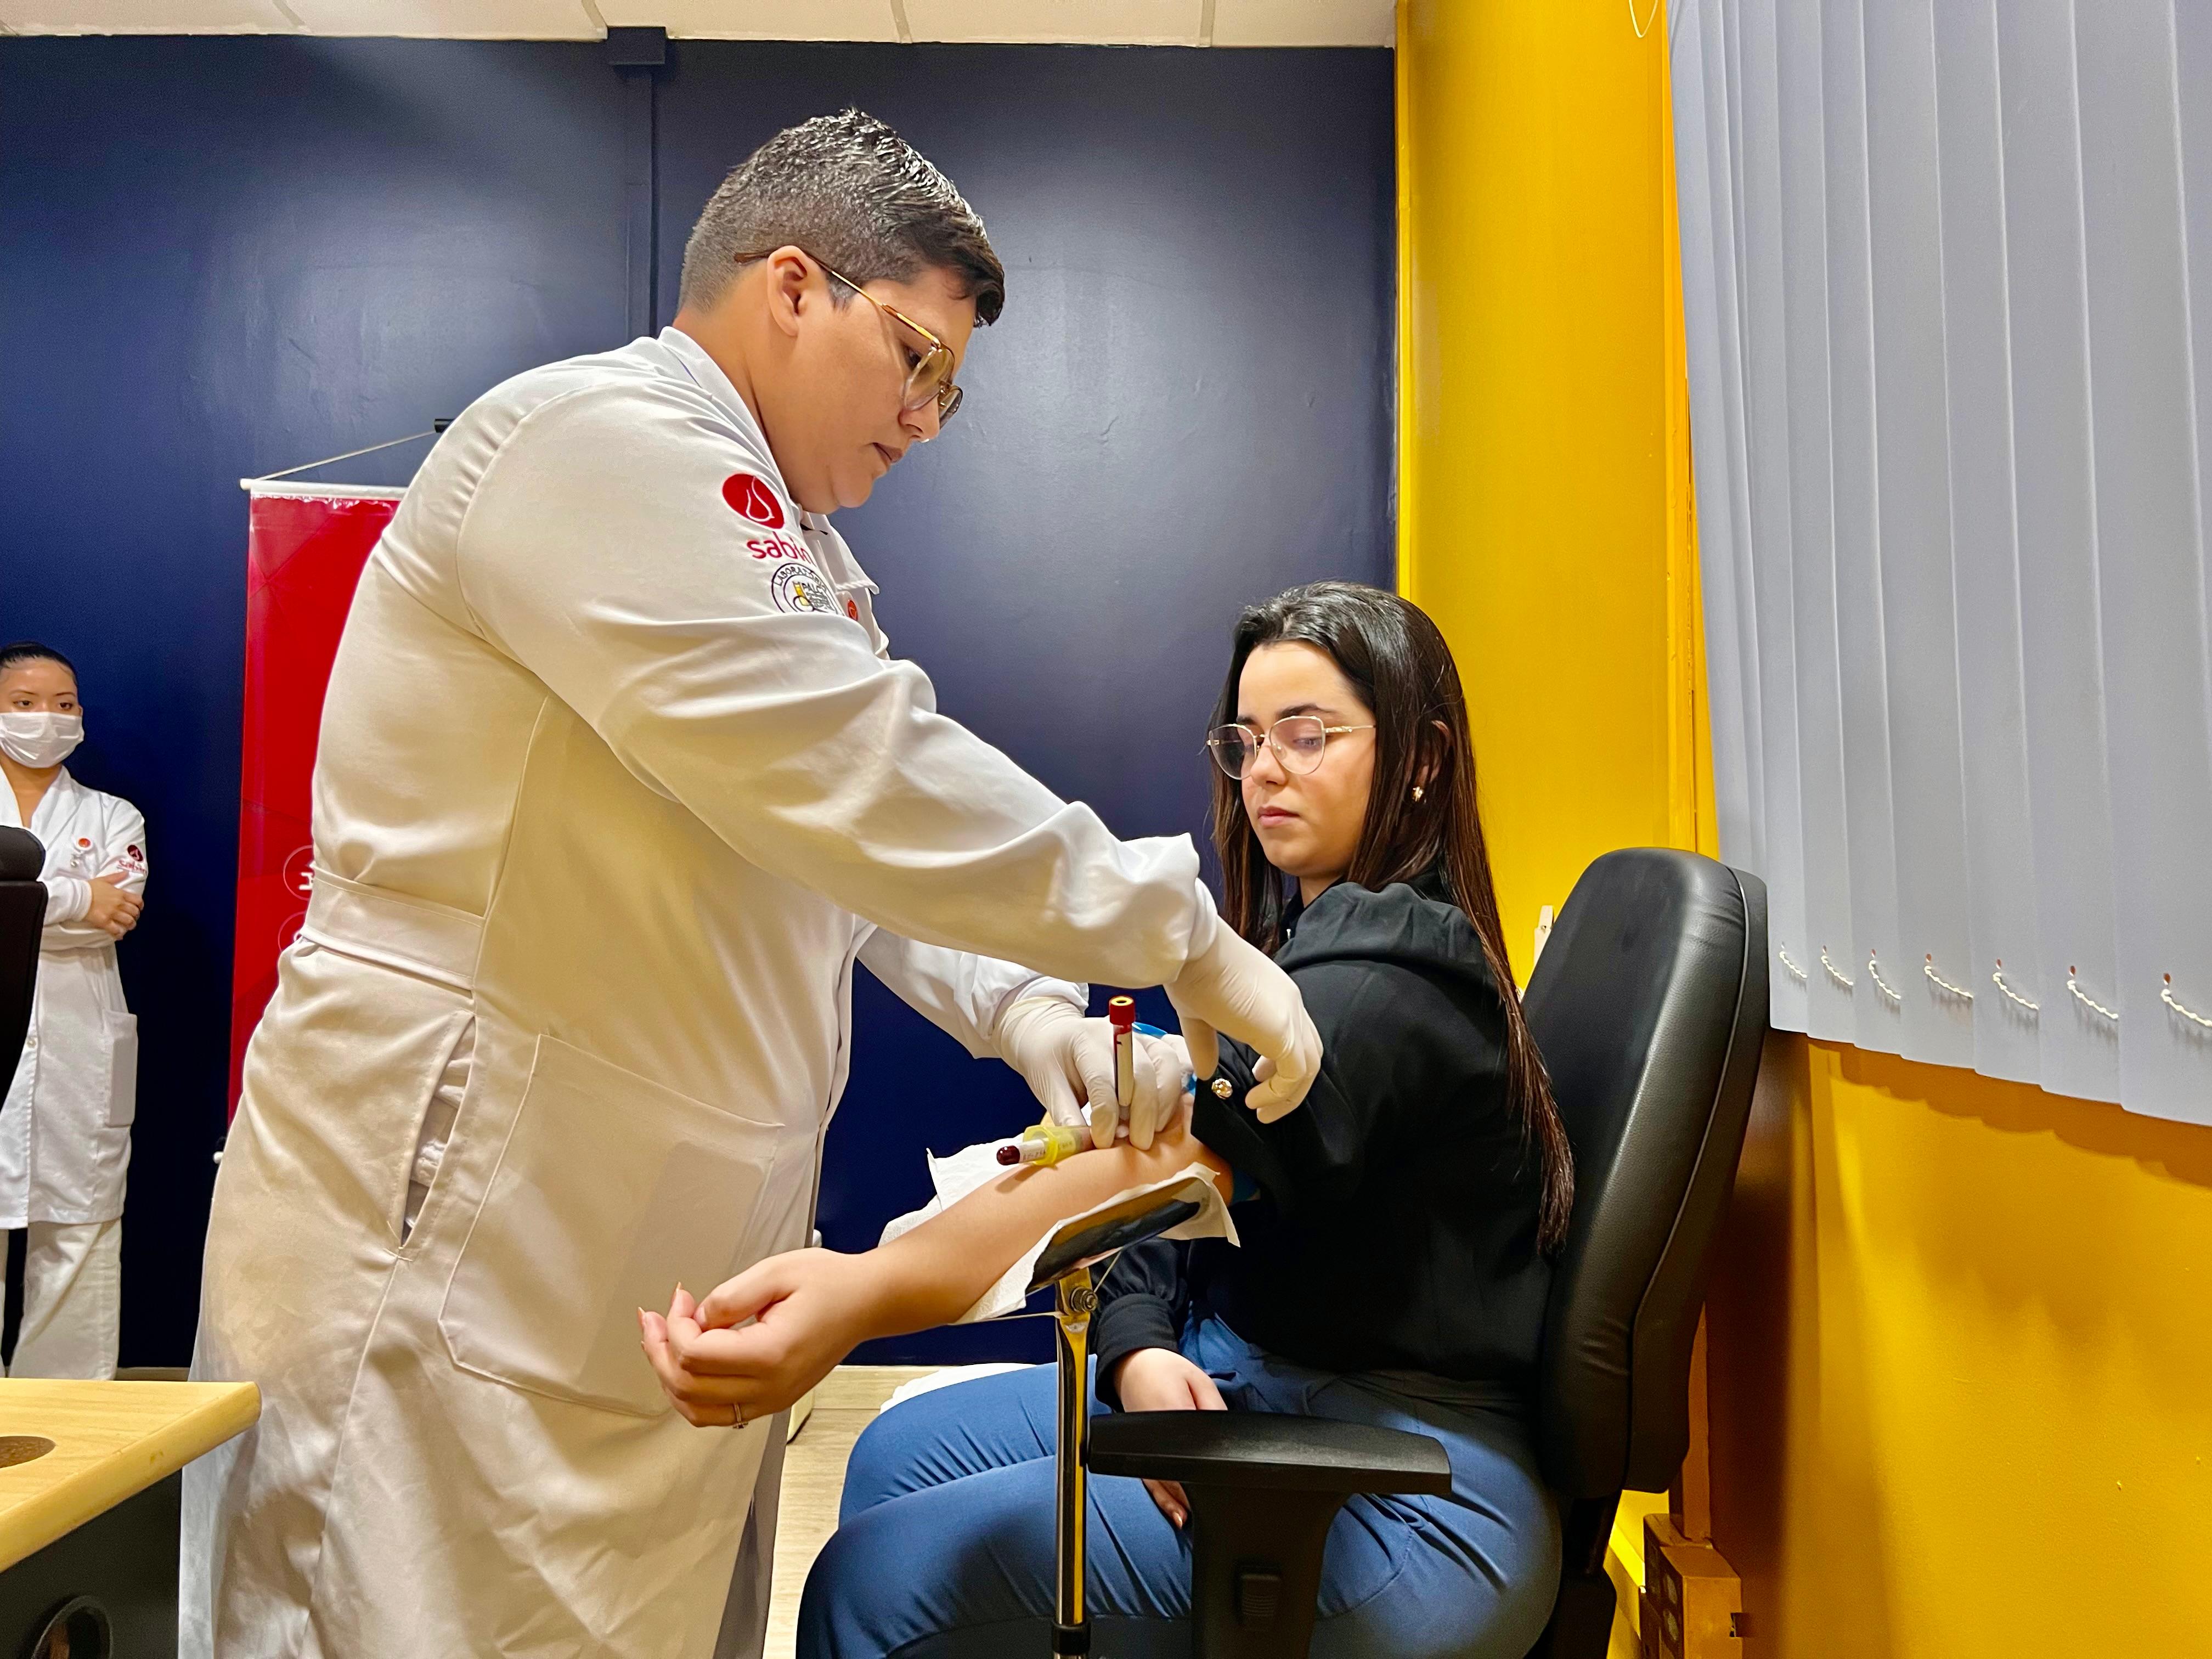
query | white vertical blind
[1716, 409]
[1808, 413]
[2157, 752]
[2000, 884]
[1947, 285]
[1876, 997]
[1750, 91]
[1913, 512]
[2069, 798]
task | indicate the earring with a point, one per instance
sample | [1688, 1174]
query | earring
[1417, 792]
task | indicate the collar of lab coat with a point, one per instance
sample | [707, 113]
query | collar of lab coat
[704, 370]
[837, 561]
[708, 374]
[59, 790]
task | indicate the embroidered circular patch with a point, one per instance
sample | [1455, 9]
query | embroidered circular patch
[797, 585]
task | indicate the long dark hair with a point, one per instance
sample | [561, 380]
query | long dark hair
[1399, 663]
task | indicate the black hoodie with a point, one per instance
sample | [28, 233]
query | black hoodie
[1396, 1224]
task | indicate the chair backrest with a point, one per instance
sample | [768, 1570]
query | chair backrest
[22, 912]
[1649, 1006]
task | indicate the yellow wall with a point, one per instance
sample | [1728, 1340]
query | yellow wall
[1544, 513]
[1535, 409]
[1961, 1369]
[1961, 1342]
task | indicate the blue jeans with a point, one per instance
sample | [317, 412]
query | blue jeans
[944, 1546]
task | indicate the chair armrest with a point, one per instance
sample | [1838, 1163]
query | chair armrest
[1267, 1450]
[1087, 1240]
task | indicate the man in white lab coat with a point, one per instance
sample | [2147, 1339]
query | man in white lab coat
[618, 780]
[65, 1128]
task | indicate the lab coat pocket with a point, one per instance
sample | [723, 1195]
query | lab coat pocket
[121, 1070]
[610, 1190]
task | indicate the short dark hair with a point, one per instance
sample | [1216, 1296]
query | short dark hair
[853, 193]
[31, 651]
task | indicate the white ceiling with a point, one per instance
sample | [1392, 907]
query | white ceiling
[1107, 23]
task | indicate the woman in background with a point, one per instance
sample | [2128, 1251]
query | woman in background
[1396, 1230]
[65, 1129]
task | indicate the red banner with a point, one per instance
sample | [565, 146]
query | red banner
[305, 547]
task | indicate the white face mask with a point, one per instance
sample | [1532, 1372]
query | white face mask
[39, 740]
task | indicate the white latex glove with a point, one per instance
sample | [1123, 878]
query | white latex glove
[1232, 989]
[1068, 1059]
[1164, 1083]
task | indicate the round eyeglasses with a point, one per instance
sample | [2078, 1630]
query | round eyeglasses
[1298, 741]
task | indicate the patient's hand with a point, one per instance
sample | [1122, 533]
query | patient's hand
[808, 1310]
[1162, 1379]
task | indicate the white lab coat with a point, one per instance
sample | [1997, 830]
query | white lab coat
[614, 785]
[65, 1129]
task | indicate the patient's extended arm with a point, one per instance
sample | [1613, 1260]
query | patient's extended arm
[811, 1308]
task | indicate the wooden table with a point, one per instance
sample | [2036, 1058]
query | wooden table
[88, 1499]
[110, 1440]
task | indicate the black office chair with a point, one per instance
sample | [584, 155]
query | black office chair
[22, 914]
[1649, 1006]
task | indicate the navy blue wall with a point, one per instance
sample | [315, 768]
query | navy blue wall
[225, 256]
[222, 257]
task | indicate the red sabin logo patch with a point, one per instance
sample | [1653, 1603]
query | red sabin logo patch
[749, 497]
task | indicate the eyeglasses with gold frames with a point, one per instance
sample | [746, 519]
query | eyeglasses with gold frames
[930, 379]
[1298, 741]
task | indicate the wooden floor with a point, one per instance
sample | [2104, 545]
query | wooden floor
[814, 1476]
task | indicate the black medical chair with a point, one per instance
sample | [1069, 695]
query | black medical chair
[1649, 1006]
[22, 914]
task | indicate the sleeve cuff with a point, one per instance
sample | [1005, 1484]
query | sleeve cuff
[1120, 1328]
[1042, 984]
[1205, 922]
[68, 897]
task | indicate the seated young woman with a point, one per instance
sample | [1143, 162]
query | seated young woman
[1396, 1228]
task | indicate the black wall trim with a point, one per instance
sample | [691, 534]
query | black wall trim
[640, 56]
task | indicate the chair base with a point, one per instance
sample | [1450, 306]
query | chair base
[1581, 1625]
[1581, 1620]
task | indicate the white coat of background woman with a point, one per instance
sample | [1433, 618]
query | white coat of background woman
[65, 1129]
